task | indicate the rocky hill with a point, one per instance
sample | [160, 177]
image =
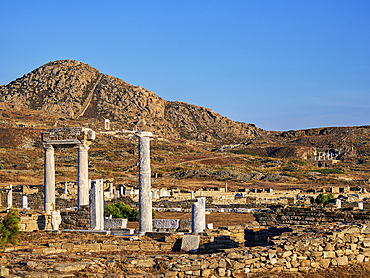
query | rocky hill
[194, 147]
[74, 90]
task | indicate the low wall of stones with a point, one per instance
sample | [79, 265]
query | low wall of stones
[299, 251]
[33, 221]
[76, 220]
[309, 216]
[343, 246]
[220, 239]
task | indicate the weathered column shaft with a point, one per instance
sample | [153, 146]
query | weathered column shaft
[145, 197]
[65, 188]
[49, 180]
[97, 205]
[198, 215]
[9, 198]
[83, 175]
[24, 202]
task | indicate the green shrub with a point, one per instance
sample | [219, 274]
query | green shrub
[244, 152]
[121, 210]
[324, 199]
[9, 229]
[297, 161]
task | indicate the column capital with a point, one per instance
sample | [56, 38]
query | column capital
[48, 147]
[83, 146]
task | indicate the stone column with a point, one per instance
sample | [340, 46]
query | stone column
[49, 179]
[83, 175]
[198, 215]
[192, 195]
[145, 198]
[107, 124]
[56, 220]
[111, 188]
[24, 202]
[360, 205]
[97, 205]
[9, 197]
[65, 188]
[338, 203]
[121, 191]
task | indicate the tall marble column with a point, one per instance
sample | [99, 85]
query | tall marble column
[145, 197]
[9, 198]
[198, 215]
[97, 205]
[83, 175]
[49, 179]
[24, 202]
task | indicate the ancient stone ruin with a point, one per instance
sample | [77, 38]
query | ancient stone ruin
[78, 138]
[289, 232]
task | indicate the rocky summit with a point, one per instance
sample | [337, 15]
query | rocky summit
[74, 90]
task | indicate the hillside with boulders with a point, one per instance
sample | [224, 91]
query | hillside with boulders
[193, 147]
[74, 90]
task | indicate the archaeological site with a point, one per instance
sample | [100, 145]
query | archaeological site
[107, 179]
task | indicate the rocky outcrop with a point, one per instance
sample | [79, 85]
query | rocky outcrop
[224, 174]
[72, 89]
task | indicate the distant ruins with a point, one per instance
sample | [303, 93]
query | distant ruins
[289, 231]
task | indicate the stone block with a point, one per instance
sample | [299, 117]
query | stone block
[366, 229]
[324, 263]
[329, 254]
[190, 243]
[121, 232]
[172, 224]
[342, 260]
[221, 272]
[115, 223]
[67, 267]
[305, 263]
[360, 258]
[287, 254]
[4, 271]
[185, 224]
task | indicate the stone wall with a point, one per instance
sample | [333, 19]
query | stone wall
[296, 251]
[222, 238]
[76, 220]
[33, 221]
[311, 215]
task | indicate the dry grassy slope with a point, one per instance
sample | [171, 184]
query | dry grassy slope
[350, 144]
[57, 94]
[71, 89]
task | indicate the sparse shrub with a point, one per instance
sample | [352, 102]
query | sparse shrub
[244, 152]
[1, 166]
[324, 199]
[121, 210]
[328, 171]
[9, 229]
[297, 161]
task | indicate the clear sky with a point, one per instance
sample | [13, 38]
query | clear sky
[278, 64]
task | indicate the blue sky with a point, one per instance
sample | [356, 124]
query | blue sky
[278, 64]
